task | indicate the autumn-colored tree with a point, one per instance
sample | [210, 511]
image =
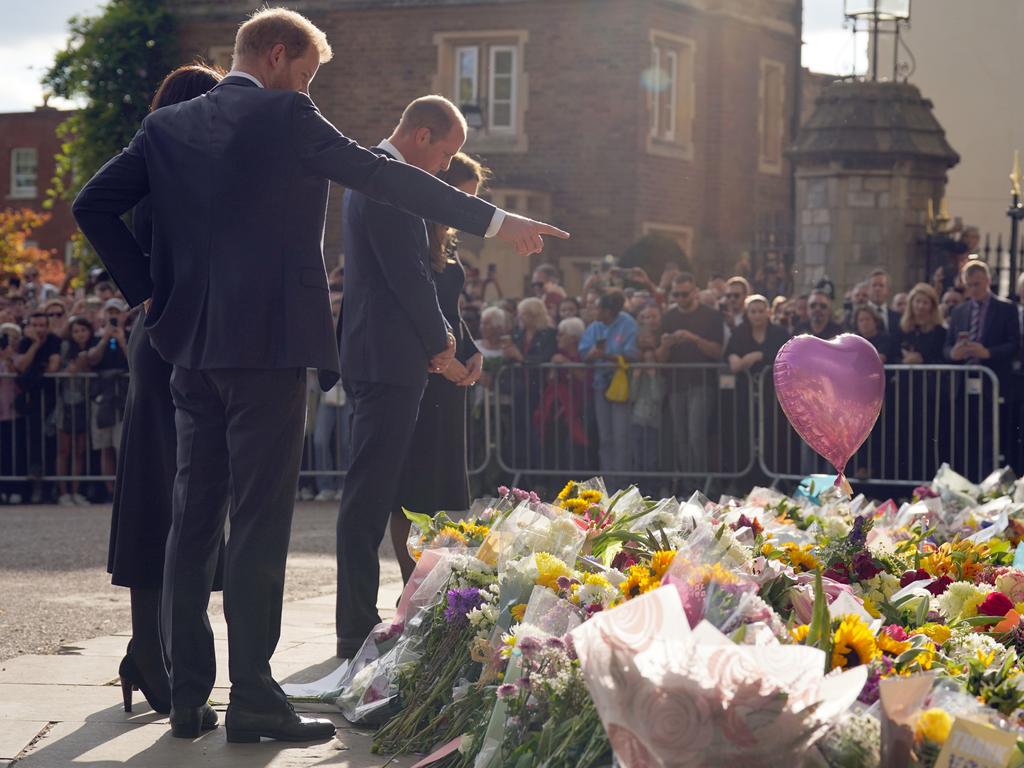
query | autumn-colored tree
[16, 252]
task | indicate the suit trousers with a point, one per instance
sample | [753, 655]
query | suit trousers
[239, 447]
[383, 423]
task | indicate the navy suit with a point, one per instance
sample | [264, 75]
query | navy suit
[391, 326]
[238, 181]
[1000, 335]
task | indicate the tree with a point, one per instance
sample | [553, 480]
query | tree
[16, 227]
[113, 62]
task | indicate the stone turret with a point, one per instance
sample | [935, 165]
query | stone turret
[867, 162]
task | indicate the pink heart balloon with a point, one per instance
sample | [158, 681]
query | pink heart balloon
[831, 392]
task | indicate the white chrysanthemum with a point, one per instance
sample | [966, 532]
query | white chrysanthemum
[964, 646]
[951, 603]
[835, 527]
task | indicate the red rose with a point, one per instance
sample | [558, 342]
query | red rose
[995, 604]
[939, 586]
[911, 576]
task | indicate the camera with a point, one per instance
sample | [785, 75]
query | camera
[112, 322]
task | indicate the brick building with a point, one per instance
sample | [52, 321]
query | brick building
[28, 145]
[612, 118]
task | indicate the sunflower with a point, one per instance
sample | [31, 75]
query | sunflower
[800, 557]
[474, 530]
[449, 536]
[888, 644]
[660, 562]
[637, 582]
[576, 506]
[870, 607]
[518, 611]
[853, 644]
[799, 634]
[591, 497]
[567, 491]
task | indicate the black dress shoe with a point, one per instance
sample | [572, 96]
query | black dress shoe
[247, 727]
[189, 722]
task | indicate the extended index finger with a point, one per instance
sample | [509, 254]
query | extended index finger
[548, 229]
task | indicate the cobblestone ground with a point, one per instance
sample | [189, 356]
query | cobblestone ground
[54, 588]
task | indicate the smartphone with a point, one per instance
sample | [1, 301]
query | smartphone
[962, 337]
[113, 322]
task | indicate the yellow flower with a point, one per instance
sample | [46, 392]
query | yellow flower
[988, 659]
[933, 725]
[549, 569]
[660, 562]
[576, 506]
[474, 530]
[508, 644]
[853, 644]
[800, 557]
[767, 548]
[637, 582]
[518, 611]
[937, 633]
[591, 497]
[961, 560]
[567, 491]
[887, 644]
[449, 536]
[799, 634]
[869, 606]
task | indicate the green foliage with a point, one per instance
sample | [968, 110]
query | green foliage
[113, 63]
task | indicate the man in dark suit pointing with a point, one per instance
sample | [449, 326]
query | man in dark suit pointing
[238, 181]
[392, 332]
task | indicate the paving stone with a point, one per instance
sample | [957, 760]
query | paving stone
[59, 670]
[15, 735]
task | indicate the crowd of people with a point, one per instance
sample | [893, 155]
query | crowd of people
[668, 420]
[66, 425]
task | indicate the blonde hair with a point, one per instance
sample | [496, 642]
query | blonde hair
[434, 112]
[907, 323]
[269, 26]
[534, 309]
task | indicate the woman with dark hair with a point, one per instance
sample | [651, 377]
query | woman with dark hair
[435, 476]
[147, 462]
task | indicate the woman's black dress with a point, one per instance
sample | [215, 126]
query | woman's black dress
[147, 458]
[434, 477]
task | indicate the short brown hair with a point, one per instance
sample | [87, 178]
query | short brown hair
[269, 26]
[433, 112]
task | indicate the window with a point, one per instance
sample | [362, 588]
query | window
[771, 116]
[482, 72]
[502, 106]
[670, 96]
[467, 73]
[24, 172]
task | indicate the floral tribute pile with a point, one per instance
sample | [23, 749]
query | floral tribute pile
[818, 630]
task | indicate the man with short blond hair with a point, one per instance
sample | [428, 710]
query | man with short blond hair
[238, 180]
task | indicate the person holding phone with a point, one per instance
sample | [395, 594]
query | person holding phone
[108, 357]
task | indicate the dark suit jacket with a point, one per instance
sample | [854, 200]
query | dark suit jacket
[1000, 334]
[238, 180]
[391, 323]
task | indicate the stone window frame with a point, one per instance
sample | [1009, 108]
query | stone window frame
[682, 51]
[24, 181]
[489, 138]
[681, 233]
[765, 162]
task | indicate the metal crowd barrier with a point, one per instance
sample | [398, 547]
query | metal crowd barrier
[680, 421]
[932, 414]
[49, 429]
[553, 421]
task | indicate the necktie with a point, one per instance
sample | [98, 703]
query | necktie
[975, 320]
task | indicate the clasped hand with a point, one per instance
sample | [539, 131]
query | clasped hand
[965, 350]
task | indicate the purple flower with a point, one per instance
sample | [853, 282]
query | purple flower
[564, 583]
[460, 602]
[534, 498]
[503, 490]
[506, 691]
[528, 645]
[555, 643]
[864, 565]
[859, 534]
[520, 494]
[570, 644]
[523, 684]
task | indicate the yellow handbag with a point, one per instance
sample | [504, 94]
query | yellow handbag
[618, 388]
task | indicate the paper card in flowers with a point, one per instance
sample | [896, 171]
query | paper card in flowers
[671, 697]
[531, 528]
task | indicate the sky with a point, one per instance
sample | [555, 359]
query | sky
[33, 30]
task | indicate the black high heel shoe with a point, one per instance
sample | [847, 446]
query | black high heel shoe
[132, 680]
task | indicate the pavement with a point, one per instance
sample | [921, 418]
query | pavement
[61, 706]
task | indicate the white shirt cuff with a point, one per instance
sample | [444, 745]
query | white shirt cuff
[496, 222]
